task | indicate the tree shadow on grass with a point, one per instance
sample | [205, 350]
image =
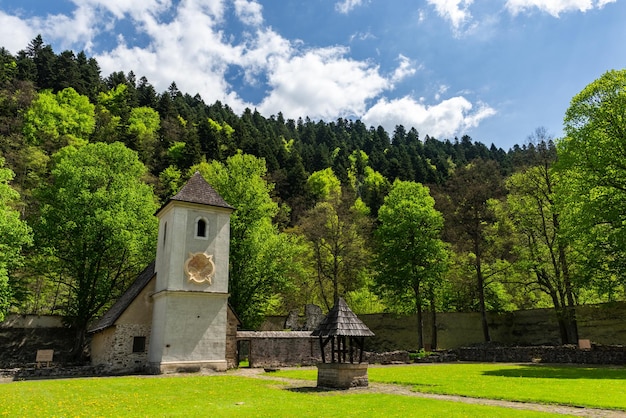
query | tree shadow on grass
[561, 372]
[323, 390]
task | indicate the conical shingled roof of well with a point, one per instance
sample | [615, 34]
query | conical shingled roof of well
[197, 190]
[341, 321]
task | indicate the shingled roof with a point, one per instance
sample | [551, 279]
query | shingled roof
[197, 190]
[341, 321]
[109, 318]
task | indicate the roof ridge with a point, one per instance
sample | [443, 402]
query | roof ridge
[198, 190]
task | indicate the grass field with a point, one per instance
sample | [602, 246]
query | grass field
[231, 395]
[598, 387]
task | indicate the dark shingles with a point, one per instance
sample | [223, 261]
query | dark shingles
[197, 190]
[109, 318]
[341, 321]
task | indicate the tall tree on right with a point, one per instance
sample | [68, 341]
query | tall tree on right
[470, 213]
[542, 251]
[591, 159]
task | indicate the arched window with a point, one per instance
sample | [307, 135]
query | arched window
[202, 228]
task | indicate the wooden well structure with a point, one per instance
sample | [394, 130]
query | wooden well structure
[341, 336]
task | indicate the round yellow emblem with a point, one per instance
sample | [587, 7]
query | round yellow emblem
[200, 268]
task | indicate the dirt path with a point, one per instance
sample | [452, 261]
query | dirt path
[309, 386]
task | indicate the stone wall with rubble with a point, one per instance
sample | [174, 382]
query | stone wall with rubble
[602, 324]
[597, 354]
[22, 335]
[113, 348]
[280, 348]
[231, 338]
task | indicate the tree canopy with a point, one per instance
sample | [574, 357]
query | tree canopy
[411, 254]
[14, 235]
[97, 224]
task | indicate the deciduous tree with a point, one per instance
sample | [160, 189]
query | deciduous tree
[470, 213]
[411, 253]
[97, 222]
[543, 251]
[337, 231]
[14, 234]
[262, 260]
[591, 158]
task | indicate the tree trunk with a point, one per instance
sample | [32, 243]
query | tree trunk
[481, 297]
[570, 304]
[420, 321]
[79, 342]
[433, 323]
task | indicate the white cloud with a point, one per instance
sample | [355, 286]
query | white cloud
[15, 32]
[249, 12]
[74, 30]
[405, 69]
[442, 120]
[189, 49]
[186, 43]
[555, 7]
[121, 8]
[456, 11]
[442, 90]
[321, 83]
[346, 6]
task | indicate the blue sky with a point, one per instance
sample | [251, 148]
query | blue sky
[493, 69]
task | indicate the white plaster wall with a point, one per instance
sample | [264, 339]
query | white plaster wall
[189, 320]
[193, 327]
[180, 241]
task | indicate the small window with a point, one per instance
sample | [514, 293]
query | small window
[202, 228]
[139, 344]
[164, 232]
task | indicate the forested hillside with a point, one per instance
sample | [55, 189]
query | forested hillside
[392, 221]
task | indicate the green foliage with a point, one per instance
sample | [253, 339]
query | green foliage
[14, 235]
[469, 209]
[411, 255]
[324, 185]
[51, 117]
[170, 181]
[262, 260]
[591, 158]
[143, 126]
[116, 101]
[47, 101]
[337, 230]
[176, 151]
[410, 249]
[97, 220]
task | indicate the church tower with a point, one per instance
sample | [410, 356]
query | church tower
[190, 300]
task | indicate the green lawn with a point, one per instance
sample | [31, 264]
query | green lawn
[217, 396]
[600, 387]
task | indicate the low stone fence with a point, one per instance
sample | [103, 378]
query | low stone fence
[272, 349]
[598, 354]
[391, 357]
[53, 372]
[278, 348]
